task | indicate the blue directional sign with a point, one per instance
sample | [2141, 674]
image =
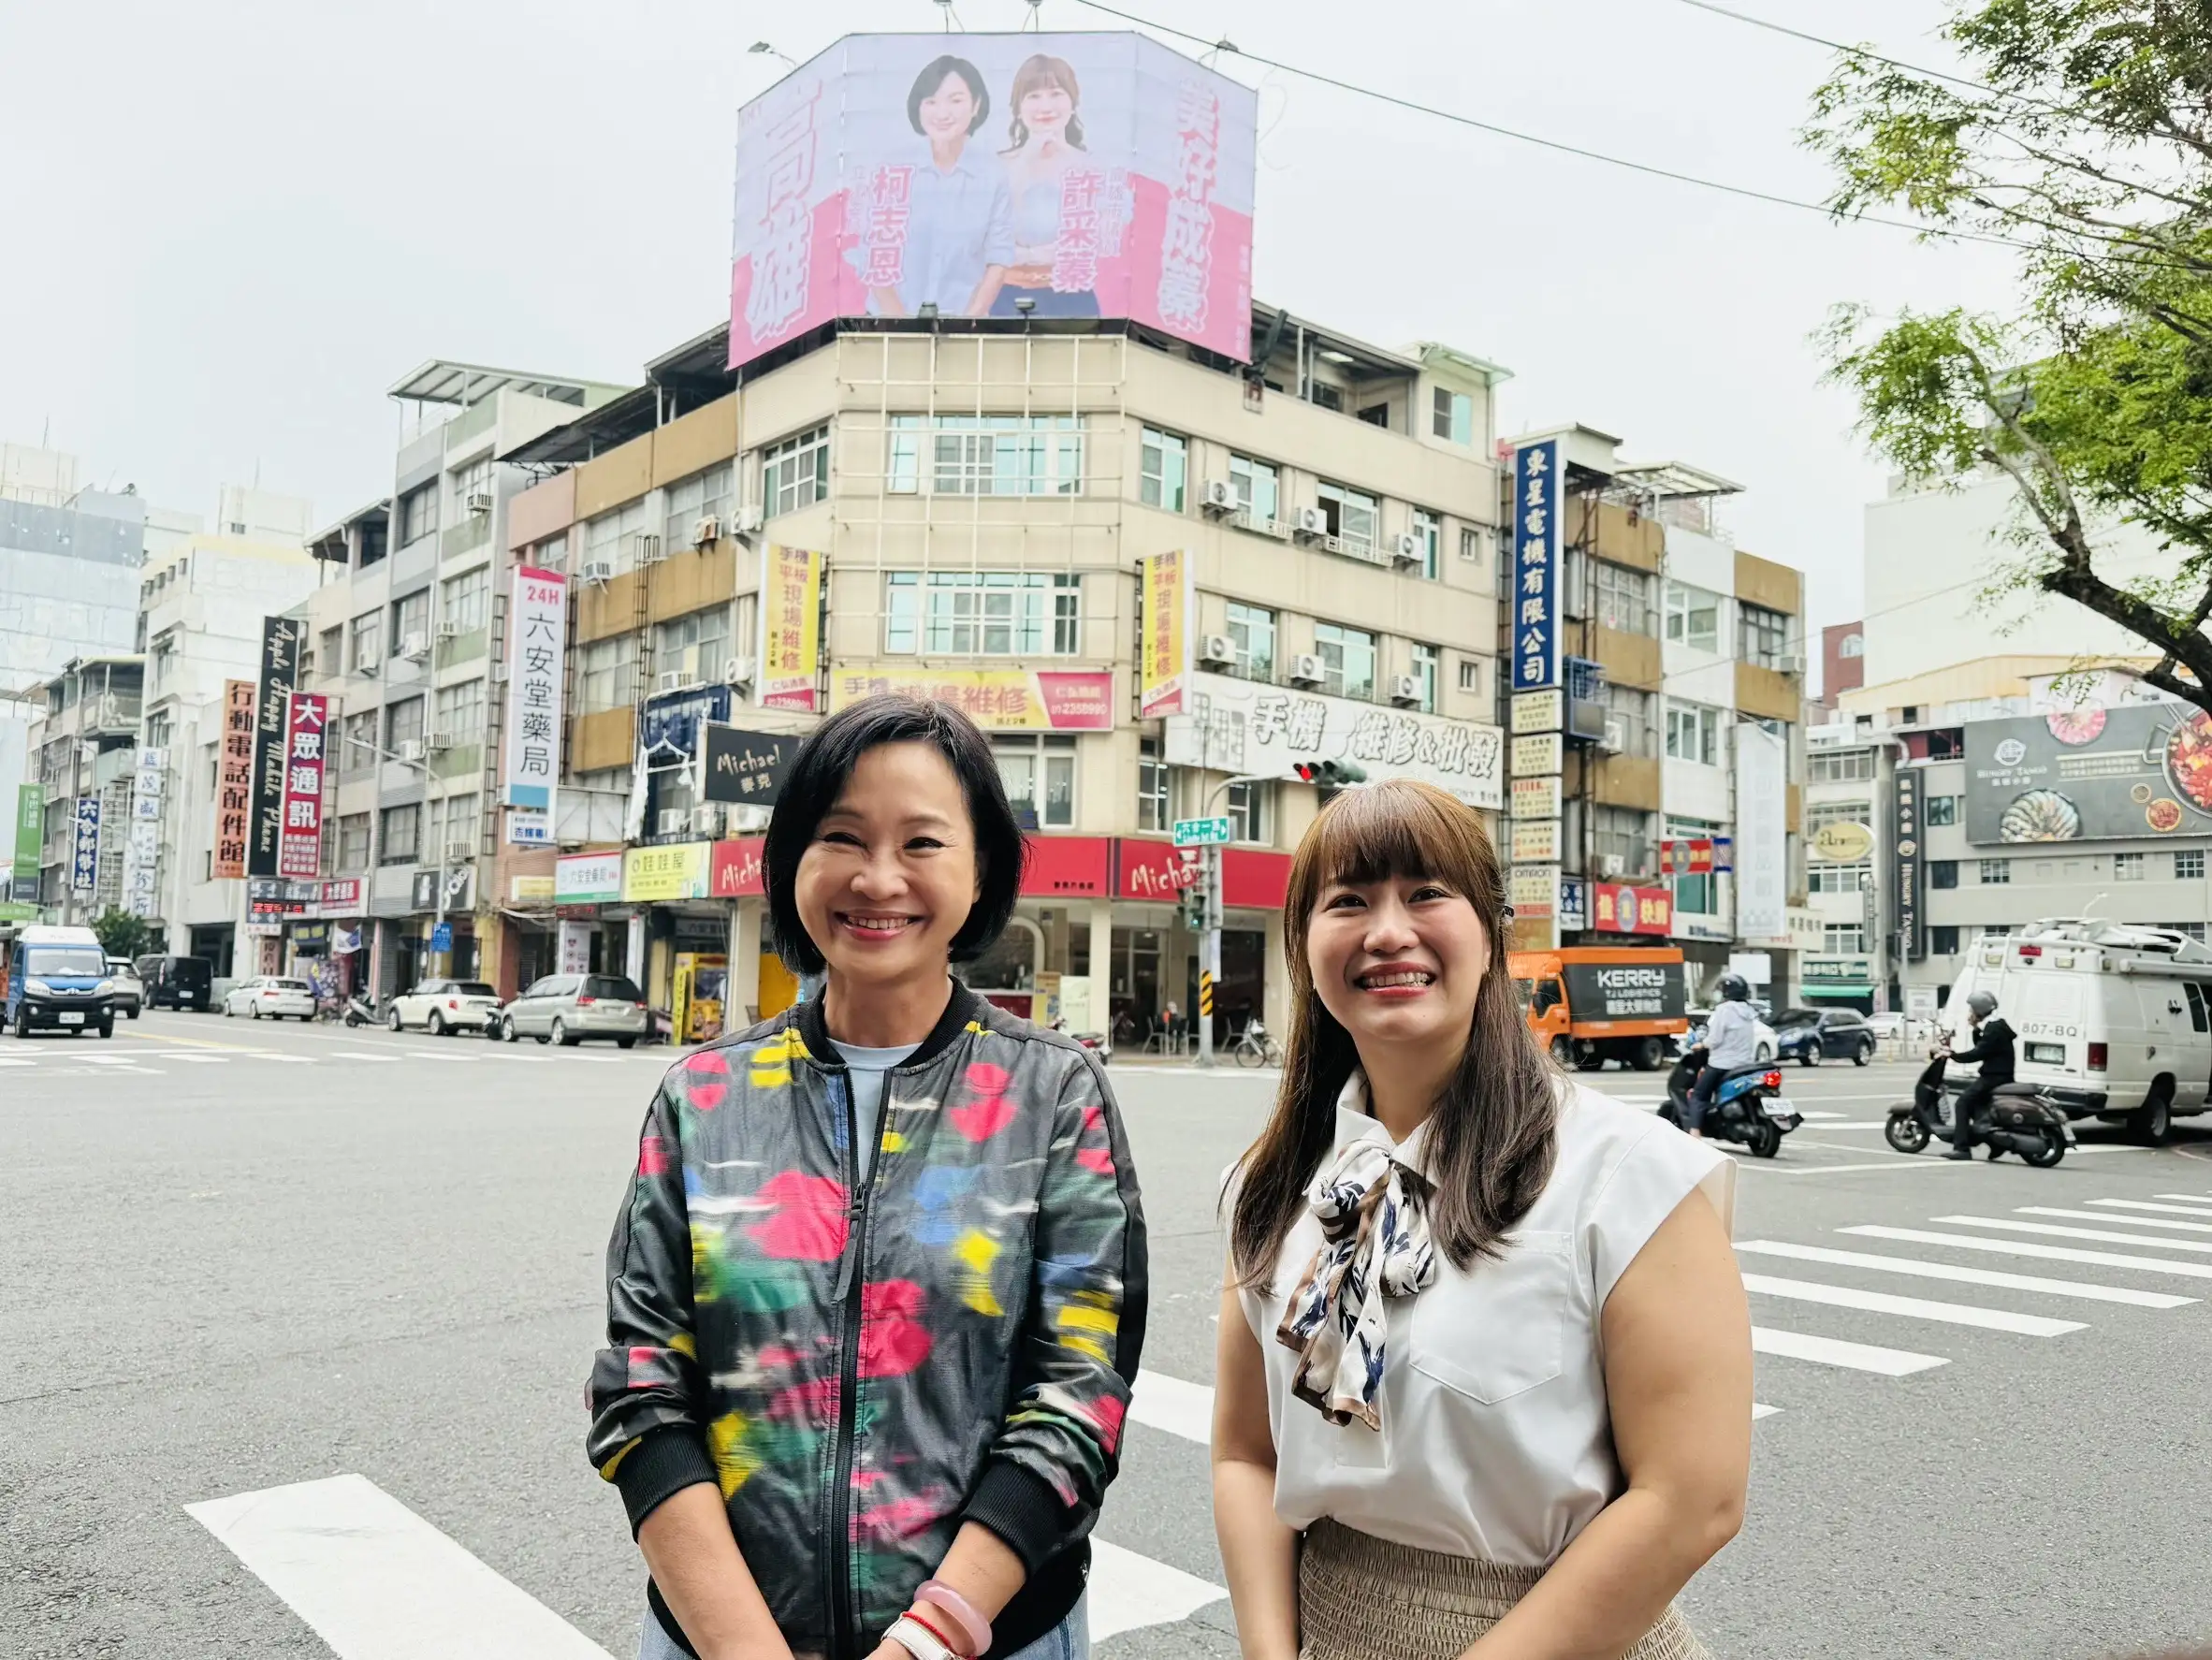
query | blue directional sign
[1536, 576]
[442, 937]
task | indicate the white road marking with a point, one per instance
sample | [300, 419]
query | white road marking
[1127, 1590]
[2169, 1223]
[1834, 1351]
[2058, 1230]
[5, 1062]
[2163, 1210]
[2193, 1198]
[1821, 1118]
[375, 1581]
[1759, 1411]
[1919, 1308]
[1168, 1404]
[1915, 1269]
[2022, 1247]
[360, 1055]
[440, 1054]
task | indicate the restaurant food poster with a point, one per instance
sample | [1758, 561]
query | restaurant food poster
[1163, 645]
[234, 781]
[537, 634]
[280, 672]
[1006, 175]
[2136, 772]
[1002, 700]
[300, 850]
[790, 629]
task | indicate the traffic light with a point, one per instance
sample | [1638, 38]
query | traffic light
[1194, 907]
[1331, 774]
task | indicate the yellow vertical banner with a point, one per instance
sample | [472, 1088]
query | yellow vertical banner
[790, 629]
[1163, 651]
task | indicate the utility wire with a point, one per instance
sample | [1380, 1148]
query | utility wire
[1554, 144]
[1860, 52]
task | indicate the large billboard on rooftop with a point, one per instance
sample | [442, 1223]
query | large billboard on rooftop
[1093, 175]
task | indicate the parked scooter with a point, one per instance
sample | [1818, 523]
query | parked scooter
[1748, 1107]
[2019, 1118]
[359, 1010]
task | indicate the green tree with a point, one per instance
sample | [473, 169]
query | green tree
[2083, 139]
[122, 935]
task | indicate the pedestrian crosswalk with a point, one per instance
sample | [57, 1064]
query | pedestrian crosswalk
[76, 1058]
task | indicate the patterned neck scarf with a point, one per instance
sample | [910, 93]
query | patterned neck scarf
[1370, 1201]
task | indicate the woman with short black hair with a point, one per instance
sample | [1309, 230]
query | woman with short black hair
[877, 1292]
[953, 201]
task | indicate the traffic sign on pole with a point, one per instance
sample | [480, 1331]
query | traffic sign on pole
[1202, 832]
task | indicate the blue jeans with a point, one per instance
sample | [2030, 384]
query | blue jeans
[1071, 1640]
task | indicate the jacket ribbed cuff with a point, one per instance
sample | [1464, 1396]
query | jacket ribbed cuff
[667, 1462]
[1022, 1510]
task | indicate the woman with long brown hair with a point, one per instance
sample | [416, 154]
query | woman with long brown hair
[1484, 1375]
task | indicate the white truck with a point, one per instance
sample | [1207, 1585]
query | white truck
[2114, 1022]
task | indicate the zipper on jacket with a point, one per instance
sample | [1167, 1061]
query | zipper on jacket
[852, 1284]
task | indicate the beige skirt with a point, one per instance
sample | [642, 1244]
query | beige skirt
[1360, 1597]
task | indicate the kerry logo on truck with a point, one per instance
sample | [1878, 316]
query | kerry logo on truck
[1626, 991]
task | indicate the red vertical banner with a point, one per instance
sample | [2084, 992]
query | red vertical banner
[300, 846]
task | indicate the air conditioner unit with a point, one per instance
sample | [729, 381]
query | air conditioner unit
[479, 501]
[1407, 689]
[449, 631]
[1305, 669]
[499, 668]
[707, 531]
[673, 821]
[460, 852]
[1614, 740]
[1789, 662]
[1218, 648]
[438, 741]
[409, 749]
[1223, 497]
[739, 671]
[675, 680]
[1312, 521]
[413, 645]
[597, 572]
[708, 818]
[748, 520]
[1406, 549]
[1611, 865]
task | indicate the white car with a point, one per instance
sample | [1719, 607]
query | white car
[271, 996]
[441, 1006]
[1769, 1046]
[1892, 1025]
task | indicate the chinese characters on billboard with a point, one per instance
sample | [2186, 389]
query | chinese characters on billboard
[1535, 598]
[790, 629]
[234, 781]
[300, 848]
[280, 672]
[537, 631]
[84, 864]
[1004, 700]
[1094, 175]
[2140, 770]
[1163, 647]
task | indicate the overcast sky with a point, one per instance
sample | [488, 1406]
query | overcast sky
[230, 225]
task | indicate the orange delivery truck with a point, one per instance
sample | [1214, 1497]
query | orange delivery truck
[1589, 1004]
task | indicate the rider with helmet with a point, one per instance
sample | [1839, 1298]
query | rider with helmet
[1993, 1048]
[1731, 1043]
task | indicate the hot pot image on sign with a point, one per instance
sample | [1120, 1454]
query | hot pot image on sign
[2040, 815]
[2074, 727]
[2188, 760]
[2164, 815]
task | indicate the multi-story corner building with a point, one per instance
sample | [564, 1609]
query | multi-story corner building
[83, 753]
[399, 637]
[980, 498]
[1850, 866]
[1676, 642]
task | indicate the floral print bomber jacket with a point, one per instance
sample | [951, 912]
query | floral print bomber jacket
[868, 1347]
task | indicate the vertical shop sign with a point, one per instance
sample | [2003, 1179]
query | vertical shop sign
[234, 781]
[30, 837]
[280, 672]
[537, 636]
[1534, 605]
[1762, 813]
[301, 845]
[790, 629]
[84, 864]
[1163, 647]
[1910, 941]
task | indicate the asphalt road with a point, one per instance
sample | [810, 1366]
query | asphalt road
[244, 1257]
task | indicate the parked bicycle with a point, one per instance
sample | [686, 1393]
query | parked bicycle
[1253, 1047]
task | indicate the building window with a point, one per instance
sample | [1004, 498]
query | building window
[1152, 786]
[403, 723]
[1038, 772]
[1246, 809]
[1852, 645]
[1377, 414]
[2190, 865]
[1633, 709]
[465, 605]
[1428, 529]
[1347, 661]
[330, 651]
[471, 481]
[1261, 488]
[550, 555]
[606, 675]
[1471, 676]
[983, 613]
[456, 825]
[1621, 598]
[1844, 939]
[1693, 616]
[1451, 415]
[417, 513]
[1352, 516]
[1623, 833]
[796, 472]
[402, 836]
[1252, 631]
[611, 539]
[1823, 878]
[2126, 867]
[1942, 941]
[1424, 671]
[1324, 396]
[1008, 455]
[353, 842]
[1163, 470]
[1851, 766]
[411, 623]
[1470, 543]
[1693, 732]
[1939, 810]
[368, 642]
[358, 750]
[1818, 813]
[1762, 636]
[694, 645]
[460, 712]
[703, 495]
[1996, 872]
[1943, 873]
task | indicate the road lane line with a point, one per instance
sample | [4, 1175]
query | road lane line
[439, 1055]
[1127, 1590]
[1168, 1404]
[1834, 1351]
[2173, 1223]
[1919, 1308]
[375, 1581]
[2058, 1230]
[1911, 1267]
[2194, 1209]
[2022, 1247]
[361, 1054]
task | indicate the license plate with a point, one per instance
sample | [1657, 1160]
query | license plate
[2071, 1137]
[73, 1017]
[1775, 1107]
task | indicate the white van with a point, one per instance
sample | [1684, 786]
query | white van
[2113, 1021]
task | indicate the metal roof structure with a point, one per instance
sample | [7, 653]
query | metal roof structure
[1678, 478]
[443, 381]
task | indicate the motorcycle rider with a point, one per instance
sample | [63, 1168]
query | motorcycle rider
[1731, 1042]
[1993, 1048]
